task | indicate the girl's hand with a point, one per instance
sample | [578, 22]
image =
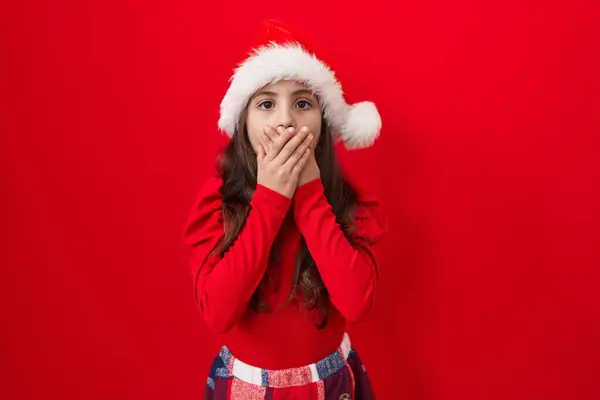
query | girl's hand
[311, 169]
[281, 157]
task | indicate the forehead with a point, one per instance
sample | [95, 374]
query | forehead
[285, 87]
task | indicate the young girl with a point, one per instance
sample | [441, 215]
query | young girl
[282, 242]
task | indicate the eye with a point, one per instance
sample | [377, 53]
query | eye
[266, 105]
[303, 104]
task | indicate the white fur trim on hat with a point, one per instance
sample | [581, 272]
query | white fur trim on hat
[357, 125]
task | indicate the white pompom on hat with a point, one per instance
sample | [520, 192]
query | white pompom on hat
[278, 55]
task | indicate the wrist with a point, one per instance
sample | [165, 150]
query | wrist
[314, 185]
[309, 175]
[308, 180]
[306, 196]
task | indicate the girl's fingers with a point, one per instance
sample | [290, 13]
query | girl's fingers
[279, 143]
[298, 153]
[265, 142]
[290, 146]
[301, 162]
[270, 134]
[261, 154]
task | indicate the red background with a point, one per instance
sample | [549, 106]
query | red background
[487, 164]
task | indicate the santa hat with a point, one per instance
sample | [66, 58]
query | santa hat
[279, 55]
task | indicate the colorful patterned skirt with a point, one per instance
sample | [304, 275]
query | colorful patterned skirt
[339, 376]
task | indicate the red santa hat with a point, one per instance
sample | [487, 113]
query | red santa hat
[279, 55]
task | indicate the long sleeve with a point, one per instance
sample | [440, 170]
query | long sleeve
[225, 285]
[348, 272]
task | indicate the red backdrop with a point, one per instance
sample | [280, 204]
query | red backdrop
[487, 164]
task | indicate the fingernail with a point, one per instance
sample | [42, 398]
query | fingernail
[291, 129]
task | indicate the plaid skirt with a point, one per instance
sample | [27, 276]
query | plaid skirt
[341, 375]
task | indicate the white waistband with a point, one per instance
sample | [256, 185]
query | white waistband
[317, 371]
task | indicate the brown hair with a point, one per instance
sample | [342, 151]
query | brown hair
[237, 167]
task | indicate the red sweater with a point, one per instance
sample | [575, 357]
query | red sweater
[224, 286]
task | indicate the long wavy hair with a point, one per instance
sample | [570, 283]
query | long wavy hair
[237, 166]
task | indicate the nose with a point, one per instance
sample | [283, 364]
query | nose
[285, 118]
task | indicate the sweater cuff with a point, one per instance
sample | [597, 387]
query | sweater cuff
[308, 190]
[275, 201]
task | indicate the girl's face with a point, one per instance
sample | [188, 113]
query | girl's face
[285, 103]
